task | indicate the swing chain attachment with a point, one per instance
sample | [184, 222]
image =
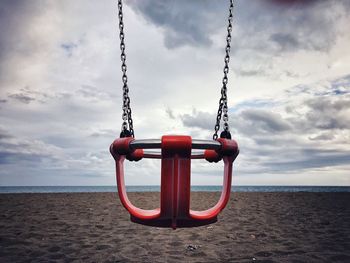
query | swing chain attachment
[126, 116]
[222, 111]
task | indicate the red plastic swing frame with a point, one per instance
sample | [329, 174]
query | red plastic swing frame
[174, 210]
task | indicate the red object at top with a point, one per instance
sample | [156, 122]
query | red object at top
[176, 154]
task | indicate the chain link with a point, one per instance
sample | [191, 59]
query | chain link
[223, 110]
[127, 126]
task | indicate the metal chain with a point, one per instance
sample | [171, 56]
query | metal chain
[223, 110]
[126, 116]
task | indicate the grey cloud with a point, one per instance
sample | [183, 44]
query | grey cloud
[261, 32]
[250, 72]
[249, 121]
[283, 156]
[267, 121]
[328, 114]
[320, 112]
[307, 27]
[4, 134]
[184, 22]
[292, 3]
[3, 101]
[327, 107]
[311, 27]
[15, 17]
[323, 136]
[44, 162]
[286, 42]
[170, 113]
[17, 158]
[289, 27]
[326, 104]
[21, 97]
[315, 159]
[27, 95]
[17, 150]
[293, 141]
[199, 119]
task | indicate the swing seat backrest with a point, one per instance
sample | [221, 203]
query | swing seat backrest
[176, 154]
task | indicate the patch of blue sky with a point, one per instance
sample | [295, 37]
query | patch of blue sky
[336, 89]
[341, 86]
[68, 48]
[298, 89]
[257, 103]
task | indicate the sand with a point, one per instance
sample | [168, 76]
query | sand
[254, 227]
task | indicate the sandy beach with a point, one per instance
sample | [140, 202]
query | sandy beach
[254, 227]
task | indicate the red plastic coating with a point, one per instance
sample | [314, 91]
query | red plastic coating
[174, 208]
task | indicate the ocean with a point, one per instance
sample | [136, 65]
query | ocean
[154, 188]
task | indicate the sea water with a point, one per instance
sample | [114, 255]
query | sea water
[155, 188]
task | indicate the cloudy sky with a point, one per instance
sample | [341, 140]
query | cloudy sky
[60, 88]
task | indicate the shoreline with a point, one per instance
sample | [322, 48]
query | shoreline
[156, 188]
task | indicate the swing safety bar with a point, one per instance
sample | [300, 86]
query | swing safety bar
[157, 144]
[176, 154]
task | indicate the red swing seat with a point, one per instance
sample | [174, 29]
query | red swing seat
[176, 154]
